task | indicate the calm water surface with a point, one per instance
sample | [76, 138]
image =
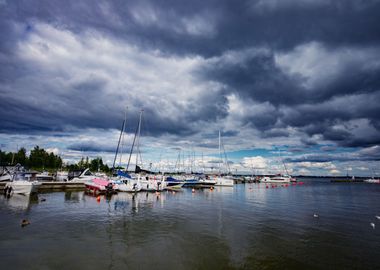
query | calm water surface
[245, 227]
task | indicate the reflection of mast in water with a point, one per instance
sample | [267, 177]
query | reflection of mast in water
[109, 231]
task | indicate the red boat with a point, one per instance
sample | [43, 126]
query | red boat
[99, 186]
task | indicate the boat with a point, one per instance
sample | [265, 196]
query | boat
[125, 183]
[24, 187]
[280, 179]
[372, 180]
[44, 176]
[221, 180]
[20, 182]
[224, 181]
[62, 176]
[152, 182]
[173, 183]
[97, 186]
[85, 176]
[5, 176]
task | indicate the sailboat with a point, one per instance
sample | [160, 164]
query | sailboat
[221, 180]
[123, 181]
[149, 182]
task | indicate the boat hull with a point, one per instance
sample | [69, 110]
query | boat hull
[130, 186]
[226, 182]
[152, 185]
[372, 181]
[22, 187]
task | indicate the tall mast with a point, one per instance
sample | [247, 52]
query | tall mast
[220, 154]
[122, 137]
[138, 138]
[118, 144]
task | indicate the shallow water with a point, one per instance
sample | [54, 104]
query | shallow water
[245, 227]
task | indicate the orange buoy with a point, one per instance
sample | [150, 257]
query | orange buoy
[98, 199]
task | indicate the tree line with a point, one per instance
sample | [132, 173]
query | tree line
[40, 159]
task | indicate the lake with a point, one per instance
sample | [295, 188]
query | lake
[248, 226]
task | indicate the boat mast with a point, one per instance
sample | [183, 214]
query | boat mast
[283, 163]
[220, 154]
[138, 138]
[118, 144]
[133, 145]
[122, 137]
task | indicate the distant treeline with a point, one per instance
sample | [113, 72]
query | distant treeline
[41, 159]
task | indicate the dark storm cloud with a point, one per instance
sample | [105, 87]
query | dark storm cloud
[221, 32]
[253, 74]
[92, 147]
[180, 26]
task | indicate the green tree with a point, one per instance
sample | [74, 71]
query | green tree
[20, 157]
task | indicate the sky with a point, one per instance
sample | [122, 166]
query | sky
[285, 81]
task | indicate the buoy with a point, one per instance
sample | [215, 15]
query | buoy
[373, 225]
[25, 222]
[193, 190]
[316, 216]
[98, 199]
[266, 187]
[173, 192]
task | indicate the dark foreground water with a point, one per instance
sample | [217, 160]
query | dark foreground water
[245, 227]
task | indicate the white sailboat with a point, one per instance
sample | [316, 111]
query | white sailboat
[149, 182]
[124, 182]
[221, 180]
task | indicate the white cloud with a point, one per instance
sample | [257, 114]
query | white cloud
[319, 65]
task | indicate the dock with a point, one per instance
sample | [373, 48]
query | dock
[54, 186]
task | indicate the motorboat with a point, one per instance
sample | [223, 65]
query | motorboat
[280, 179]
[99, 186]
[24, 187]
[83, 177]
[44, 176]
[20, 182]
[173, 183]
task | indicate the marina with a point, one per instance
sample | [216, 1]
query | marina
[190, 135]
[316, 225]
